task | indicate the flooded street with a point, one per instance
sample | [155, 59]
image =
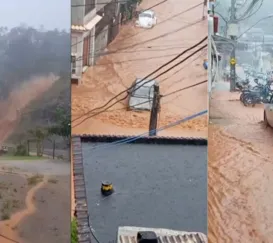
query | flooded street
[137, 52]
[240, 172]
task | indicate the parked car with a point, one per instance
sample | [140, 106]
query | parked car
[268, 113]
[146, 19]
[141, 94]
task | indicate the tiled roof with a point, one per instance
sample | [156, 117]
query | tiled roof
[143, 139]
[78, 27]
[84, 234]
[128, 235]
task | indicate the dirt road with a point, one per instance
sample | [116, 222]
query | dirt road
[240, 172]
[39, 181]
[18, 100]
[144, 50]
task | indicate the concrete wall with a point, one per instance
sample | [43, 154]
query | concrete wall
[78, 49]
[100, 5]
[101, 42]
[77, 13]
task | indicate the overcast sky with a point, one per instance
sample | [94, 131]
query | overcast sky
[265, 10]
[49, 13]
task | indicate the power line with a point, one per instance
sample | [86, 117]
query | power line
[145, 59]
[137, 59]
[103, 3]
[182, 12]
[118, 23]
[249, 9]
[152, 39]
[251, 14]
[97, 113]
[179, 70]
[107, 108]
[188, 87]
[7, 238]
[103, 53]
[134, 138]
[147, 76]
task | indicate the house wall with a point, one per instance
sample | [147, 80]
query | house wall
[101, 41]
[100, 4]
[77, 37]
[77, 13]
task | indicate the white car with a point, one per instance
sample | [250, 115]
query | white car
[146, 19]
[268, 113]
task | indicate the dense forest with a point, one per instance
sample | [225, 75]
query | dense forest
[25, 53]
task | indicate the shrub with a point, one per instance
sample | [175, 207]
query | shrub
[74, 231]
[21, 150]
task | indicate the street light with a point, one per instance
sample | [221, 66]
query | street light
[270, 16]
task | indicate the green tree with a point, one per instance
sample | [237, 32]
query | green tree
[39, 135]
[62, 127]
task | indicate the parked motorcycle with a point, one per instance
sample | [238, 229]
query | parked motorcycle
[256, 95]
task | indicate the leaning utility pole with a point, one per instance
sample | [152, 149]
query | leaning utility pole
[154, 111]
[233, 56]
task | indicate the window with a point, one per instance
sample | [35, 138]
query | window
[89, 6]
[73, 64]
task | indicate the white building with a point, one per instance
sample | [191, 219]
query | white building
[95, 23]
[83, 22]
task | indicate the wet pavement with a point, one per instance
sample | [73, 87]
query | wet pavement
[137, 53]
[44, 166]
[240, 172]
[161, 186]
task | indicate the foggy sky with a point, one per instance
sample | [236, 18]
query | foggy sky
[49, 13]
[265, 10]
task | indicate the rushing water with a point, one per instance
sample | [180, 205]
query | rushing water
[240, 172]
[144, 50]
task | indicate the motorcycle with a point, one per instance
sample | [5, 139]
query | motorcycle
[257, 95]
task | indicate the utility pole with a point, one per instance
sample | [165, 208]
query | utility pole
[233, 53]
[154, 111]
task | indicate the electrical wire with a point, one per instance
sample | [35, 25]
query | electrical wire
[249, 9]
[99, 112]
[179, 70]
[94, 4]
[251, 14]
[7, 238]
[134, 138]
[147, 76]
[134, 60]
[107, 108]
[188, 87]
[173, 16]
[152, 39]
[120, 22]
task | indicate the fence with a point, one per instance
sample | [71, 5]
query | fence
[51, 148]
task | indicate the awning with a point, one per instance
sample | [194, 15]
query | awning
[93, 22]
[223, 45]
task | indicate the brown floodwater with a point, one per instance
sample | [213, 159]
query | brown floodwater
[144, 50]
[240, 172]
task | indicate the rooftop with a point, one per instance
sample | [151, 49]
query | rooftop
[128, 235]
[163, 186]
